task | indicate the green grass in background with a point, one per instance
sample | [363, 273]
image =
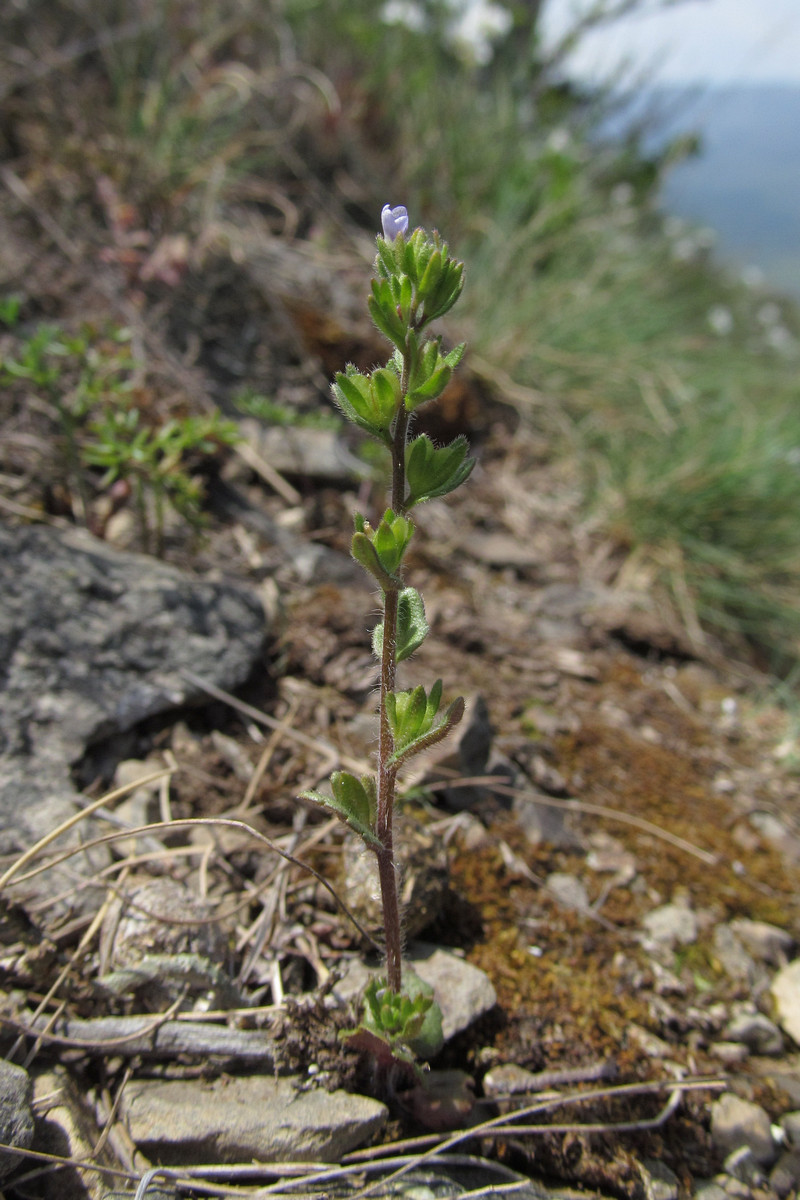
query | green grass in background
[674, 386]
[684, 411]
[668, 380]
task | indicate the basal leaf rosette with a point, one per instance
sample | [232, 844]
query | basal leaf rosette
[401, 1026]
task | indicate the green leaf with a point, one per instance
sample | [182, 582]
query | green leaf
[406, 714]
[391, 539]
[430, 373]
[385, 263]
[434, 700]
[383, 310]
[370, 402]
[407, 253]
[385, 393]
[431, 276]
[364, 552]
[452, 716]
[403, 295]
[381, 551]
[411, 714]
[435, 471]
[351, 391]
[446, 292]
[456, 354]
[412, 628]
[353, 801]
[431, 389]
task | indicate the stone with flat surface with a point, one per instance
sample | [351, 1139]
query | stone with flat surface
[253, 1117]
[92, 642]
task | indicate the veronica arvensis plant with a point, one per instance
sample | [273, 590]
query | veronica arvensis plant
[415, 282]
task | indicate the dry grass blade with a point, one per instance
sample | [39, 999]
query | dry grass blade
[293, 1176]
[65, 826]
[77, 1043]
[265, 759]
[33, 514]
[206, 822]
[599, 810]
[302, 739]
[501, 1125]
[21, 192]
[76, 1163]
[268, 473]
[596, 1126]
[111, 1107]
[62, 975]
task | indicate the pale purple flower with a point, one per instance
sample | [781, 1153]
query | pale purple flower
[394, 221]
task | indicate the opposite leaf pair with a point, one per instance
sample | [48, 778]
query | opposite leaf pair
[372, 401]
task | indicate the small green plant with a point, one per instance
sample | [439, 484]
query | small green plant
[415, 282]
[153, 460]
[86, 382]
[68, 374]
[272, 412]
[10, 308]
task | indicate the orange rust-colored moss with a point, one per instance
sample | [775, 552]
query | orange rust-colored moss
[673, 791]
[563, 980]
[561, 1001]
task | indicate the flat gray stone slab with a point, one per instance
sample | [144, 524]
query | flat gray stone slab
[241, 1119]
[93, 641]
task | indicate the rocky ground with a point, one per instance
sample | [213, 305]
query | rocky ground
[606, 860]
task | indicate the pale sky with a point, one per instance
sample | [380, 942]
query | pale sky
[709, 41]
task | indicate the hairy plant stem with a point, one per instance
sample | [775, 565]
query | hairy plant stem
[387, 771]
[386, 784]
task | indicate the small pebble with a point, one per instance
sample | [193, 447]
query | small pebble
[785, 1175]
[709, 1190]
[790, 1124]
[729, 1053]
[568, 891]
[671, 923]
[738, 1123]
[757, 1033]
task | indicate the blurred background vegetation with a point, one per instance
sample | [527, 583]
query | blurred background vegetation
[615, 332]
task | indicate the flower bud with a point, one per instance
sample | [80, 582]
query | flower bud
[394, 221]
